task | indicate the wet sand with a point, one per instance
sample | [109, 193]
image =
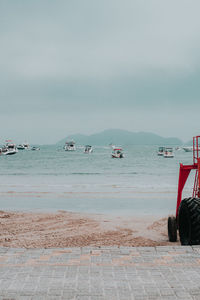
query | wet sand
[68, 229]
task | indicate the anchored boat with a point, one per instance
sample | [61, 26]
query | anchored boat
[161, 151]
[88, 149]
[9, 148]
[35, 148]
[188, 149]
[70, 146]
[24, 146]
[117, 153]
[168, 153]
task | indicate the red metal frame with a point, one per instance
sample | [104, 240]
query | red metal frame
[185, 171]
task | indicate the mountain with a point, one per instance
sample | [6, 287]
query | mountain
[121, 137]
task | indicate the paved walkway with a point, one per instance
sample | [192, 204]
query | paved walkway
[101, 273]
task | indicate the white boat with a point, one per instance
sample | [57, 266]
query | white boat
[161, 151]
[188, 149]
[70, 146]
[35, 148]
[117, 153]
[168, 153]
[88, 149]
[9, 148]
[24, 146]
[20, 147]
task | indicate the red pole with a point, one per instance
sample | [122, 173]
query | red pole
[198, 170]
[193, 150]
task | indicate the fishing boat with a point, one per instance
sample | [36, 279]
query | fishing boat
[35, 148]
[9, 148]
[70, 146]
[88, 149]
[20, 147]
[24, 146]
[168, 153]
[187, 149]
[161, 151]
[117, 153]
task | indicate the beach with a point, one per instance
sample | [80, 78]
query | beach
[69, 229]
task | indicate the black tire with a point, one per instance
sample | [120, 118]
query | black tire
[189, 221]
[172, 229]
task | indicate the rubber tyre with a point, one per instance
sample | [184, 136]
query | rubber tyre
[172, 229]
[189, 221]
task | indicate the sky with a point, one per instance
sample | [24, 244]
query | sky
[74, 66]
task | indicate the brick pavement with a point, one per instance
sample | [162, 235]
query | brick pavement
[140, 273]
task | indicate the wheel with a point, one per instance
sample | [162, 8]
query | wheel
[189, 221]
[172, 229]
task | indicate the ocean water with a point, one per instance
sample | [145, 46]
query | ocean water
[53, 179]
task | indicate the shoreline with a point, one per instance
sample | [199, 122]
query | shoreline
[60, 229]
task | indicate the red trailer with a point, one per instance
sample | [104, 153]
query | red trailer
[187, 219]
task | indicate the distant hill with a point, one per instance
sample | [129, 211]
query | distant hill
[121, 137]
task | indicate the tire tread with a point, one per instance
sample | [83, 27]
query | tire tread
[189, 211]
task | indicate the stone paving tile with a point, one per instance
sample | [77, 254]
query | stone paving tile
[141, 273]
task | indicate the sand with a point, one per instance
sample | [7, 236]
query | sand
[67, 229]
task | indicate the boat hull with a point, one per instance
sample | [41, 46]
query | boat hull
[168, 156]
[117, 156]
[9, 152]
[70, 149]
[188, 149]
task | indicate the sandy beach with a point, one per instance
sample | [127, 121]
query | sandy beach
[68, 229]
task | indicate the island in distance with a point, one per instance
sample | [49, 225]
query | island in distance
[122, 137]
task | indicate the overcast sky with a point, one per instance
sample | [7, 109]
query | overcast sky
[82, 66]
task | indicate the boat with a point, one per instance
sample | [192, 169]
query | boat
[24, 146]
[168, 153]
[9, 148]
[70, 146]
[188, 149]
[35, 148]
[88, 149]
[20, 147]
[161, 151]
[117, 153]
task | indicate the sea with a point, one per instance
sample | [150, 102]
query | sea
[49, 180]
